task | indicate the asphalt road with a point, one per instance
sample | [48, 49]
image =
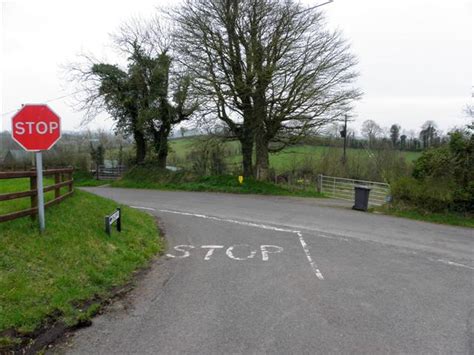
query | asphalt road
[253, 274]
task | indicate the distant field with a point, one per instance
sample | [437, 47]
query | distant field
[282, 161]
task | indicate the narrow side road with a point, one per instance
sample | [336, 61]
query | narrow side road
[252, 274]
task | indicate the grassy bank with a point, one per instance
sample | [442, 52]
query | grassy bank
[450, 218]
[149, 177]
[51, 276]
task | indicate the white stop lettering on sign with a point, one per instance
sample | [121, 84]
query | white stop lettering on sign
[35, 127]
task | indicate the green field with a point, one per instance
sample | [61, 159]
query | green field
[285, 160]
[64, 273]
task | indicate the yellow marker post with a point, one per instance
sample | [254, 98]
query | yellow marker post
[241, 179]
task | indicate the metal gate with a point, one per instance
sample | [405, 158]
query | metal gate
[110, 173]
[343, 189]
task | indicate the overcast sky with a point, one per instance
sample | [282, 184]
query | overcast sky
[415, 56]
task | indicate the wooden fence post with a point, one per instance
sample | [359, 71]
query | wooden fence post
[70, 184]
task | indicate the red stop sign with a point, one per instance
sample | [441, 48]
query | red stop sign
[36, 127]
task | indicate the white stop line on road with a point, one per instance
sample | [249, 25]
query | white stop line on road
[312, 263]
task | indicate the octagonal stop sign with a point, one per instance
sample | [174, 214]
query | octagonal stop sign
[36, 127]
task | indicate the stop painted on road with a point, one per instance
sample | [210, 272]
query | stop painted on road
[239, 252]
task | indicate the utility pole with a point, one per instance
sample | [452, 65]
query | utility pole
[344, 135]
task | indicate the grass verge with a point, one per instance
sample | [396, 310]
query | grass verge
[450, 218]
[54, 276]
[84, 178]
[149, 177]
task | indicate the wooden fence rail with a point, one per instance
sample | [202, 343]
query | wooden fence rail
[59, 182]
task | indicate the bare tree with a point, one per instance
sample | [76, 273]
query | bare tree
[469, 111]
[371, 131]
[269, 68]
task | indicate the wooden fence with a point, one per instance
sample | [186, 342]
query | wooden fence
[59, 182]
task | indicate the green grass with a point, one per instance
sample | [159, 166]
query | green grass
[73, 261]
[149, 177]
[450, 218]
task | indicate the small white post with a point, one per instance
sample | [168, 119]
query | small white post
[39, 188]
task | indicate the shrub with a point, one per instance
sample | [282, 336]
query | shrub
[430, 195]
[208, 157]
[434, 162]
[443, 177]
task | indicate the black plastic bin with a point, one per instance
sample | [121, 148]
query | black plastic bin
[361, 201]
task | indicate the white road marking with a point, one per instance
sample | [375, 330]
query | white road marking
[143, 208]
[308, 256]
[455, 264]
[303, 243]
[231, 255]
[229, 252]
[249, 224]
[265, 251]
[211, 250]
[180, 248]
[313, 265]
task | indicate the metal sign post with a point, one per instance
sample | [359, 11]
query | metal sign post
[114, 217]
[39, 188]
[36, 128]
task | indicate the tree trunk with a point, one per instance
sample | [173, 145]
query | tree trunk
[262, 160]
[261, 140]
[160, 138]
[247, 151]
[246, 137]
[163, 153]
[140, 143]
